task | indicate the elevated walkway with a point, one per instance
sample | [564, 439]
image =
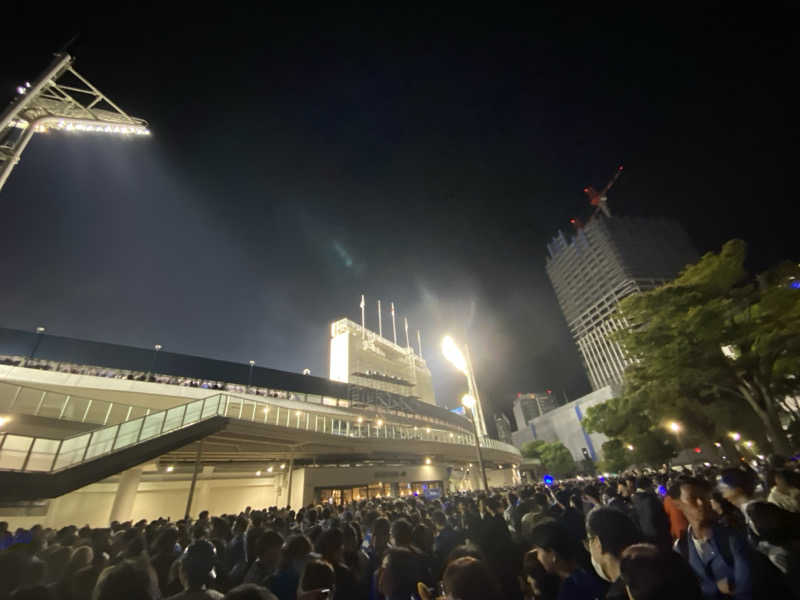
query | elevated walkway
[231, 428]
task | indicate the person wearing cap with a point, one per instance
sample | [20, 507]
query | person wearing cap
[197, 572]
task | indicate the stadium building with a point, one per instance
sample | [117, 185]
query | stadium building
[93, 432]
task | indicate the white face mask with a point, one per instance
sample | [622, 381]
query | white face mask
[598, 568]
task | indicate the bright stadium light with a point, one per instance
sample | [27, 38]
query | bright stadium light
[461, 361]
[4, 420]
[454, 355]
[60, 100]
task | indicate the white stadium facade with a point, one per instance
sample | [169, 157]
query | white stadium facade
[93, 432]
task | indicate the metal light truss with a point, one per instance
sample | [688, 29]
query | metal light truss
[60, 99]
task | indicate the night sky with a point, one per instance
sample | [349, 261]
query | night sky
[297, 162]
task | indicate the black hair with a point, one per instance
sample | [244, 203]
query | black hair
[653, 574]
[401, 531]
[614, 528]
[738, 478]
[553, 536]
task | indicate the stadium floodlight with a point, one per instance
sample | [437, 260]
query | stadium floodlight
[461, 361]
[62, 100]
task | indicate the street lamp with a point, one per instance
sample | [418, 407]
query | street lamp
[460, 360]
[156, 349]
[250, 376]
[674, 427]
[469, 402]
[39, 334]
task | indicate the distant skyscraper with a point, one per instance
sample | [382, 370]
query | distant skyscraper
[608, 259]
[503, 424]
[531, 405]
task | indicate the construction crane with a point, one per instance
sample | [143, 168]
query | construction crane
[600, 199]
[597, 199]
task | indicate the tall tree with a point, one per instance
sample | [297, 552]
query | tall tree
[712, 342]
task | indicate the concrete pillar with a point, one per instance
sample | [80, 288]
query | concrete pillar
[122, 508]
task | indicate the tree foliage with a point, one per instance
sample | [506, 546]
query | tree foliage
[555, 457]
[680, 372]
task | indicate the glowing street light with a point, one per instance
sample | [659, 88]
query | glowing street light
[60, 99]
[468, 402]
[735, 436]
[674, 426]
[427, 460]
[629, 447]
[460, 360]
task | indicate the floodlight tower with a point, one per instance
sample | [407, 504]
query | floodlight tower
[59, 99]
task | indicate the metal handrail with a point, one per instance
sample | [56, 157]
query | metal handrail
[39, 454]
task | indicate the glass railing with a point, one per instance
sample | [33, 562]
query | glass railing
[28, 453]
[55, 405]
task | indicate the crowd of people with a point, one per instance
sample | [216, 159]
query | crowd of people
[710, 533]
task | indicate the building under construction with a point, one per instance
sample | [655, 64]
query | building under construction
[600, 264]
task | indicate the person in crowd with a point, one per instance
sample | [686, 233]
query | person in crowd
[651, 573]
[130, 579]
[559, 556]
[728, 514]
[294, 556]
[537, 515]
[250, 591]
[608, 533]
[719, 556]
[318, 581]
[164, 553]
[677, 521]
[446, 539]
[331, 547]
[468, 578]
[786, 490]
[196, 572]
[648, 509]
[535, 582]
[399, 574]
[268, 553]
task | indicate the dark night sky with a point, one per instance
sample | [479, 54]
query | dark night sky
[298, 162]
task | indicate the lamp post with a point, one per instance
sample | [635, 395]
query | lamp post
[469, 402]
[461, 361]
[39, 334]
[156, 349]
[250, 376]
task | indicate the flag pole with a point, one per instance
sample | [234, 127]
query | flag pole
[408, 346]
[363, 334]
[419, 343]
[394, 327]
[380, 320]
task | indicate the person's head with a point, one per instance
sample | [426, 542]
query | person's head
[248, 591]
[539, 501]
[695, 501]
[608, 533]
[57, 561]
[131, 579]
[653, 574]
[268, 547]
[399, 574]
[468, 578]
[330, 545]
[203, 516]
[317, 575]
[439, 520]
[83, 582]
[554, 548]
[736, 485]
[401, 533]
[380, 532]
[197, 564]
[539, 582]
[240, 525]
[82, 556]
[351, 537]
[464, 550]
[294, 553]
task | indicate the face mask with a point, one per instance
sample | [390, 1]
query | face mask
[598, 568]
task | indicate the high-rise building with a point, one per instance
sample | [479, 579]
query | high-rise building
[370, 360]
[531, 405]
[605, 261]
[503, 424]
